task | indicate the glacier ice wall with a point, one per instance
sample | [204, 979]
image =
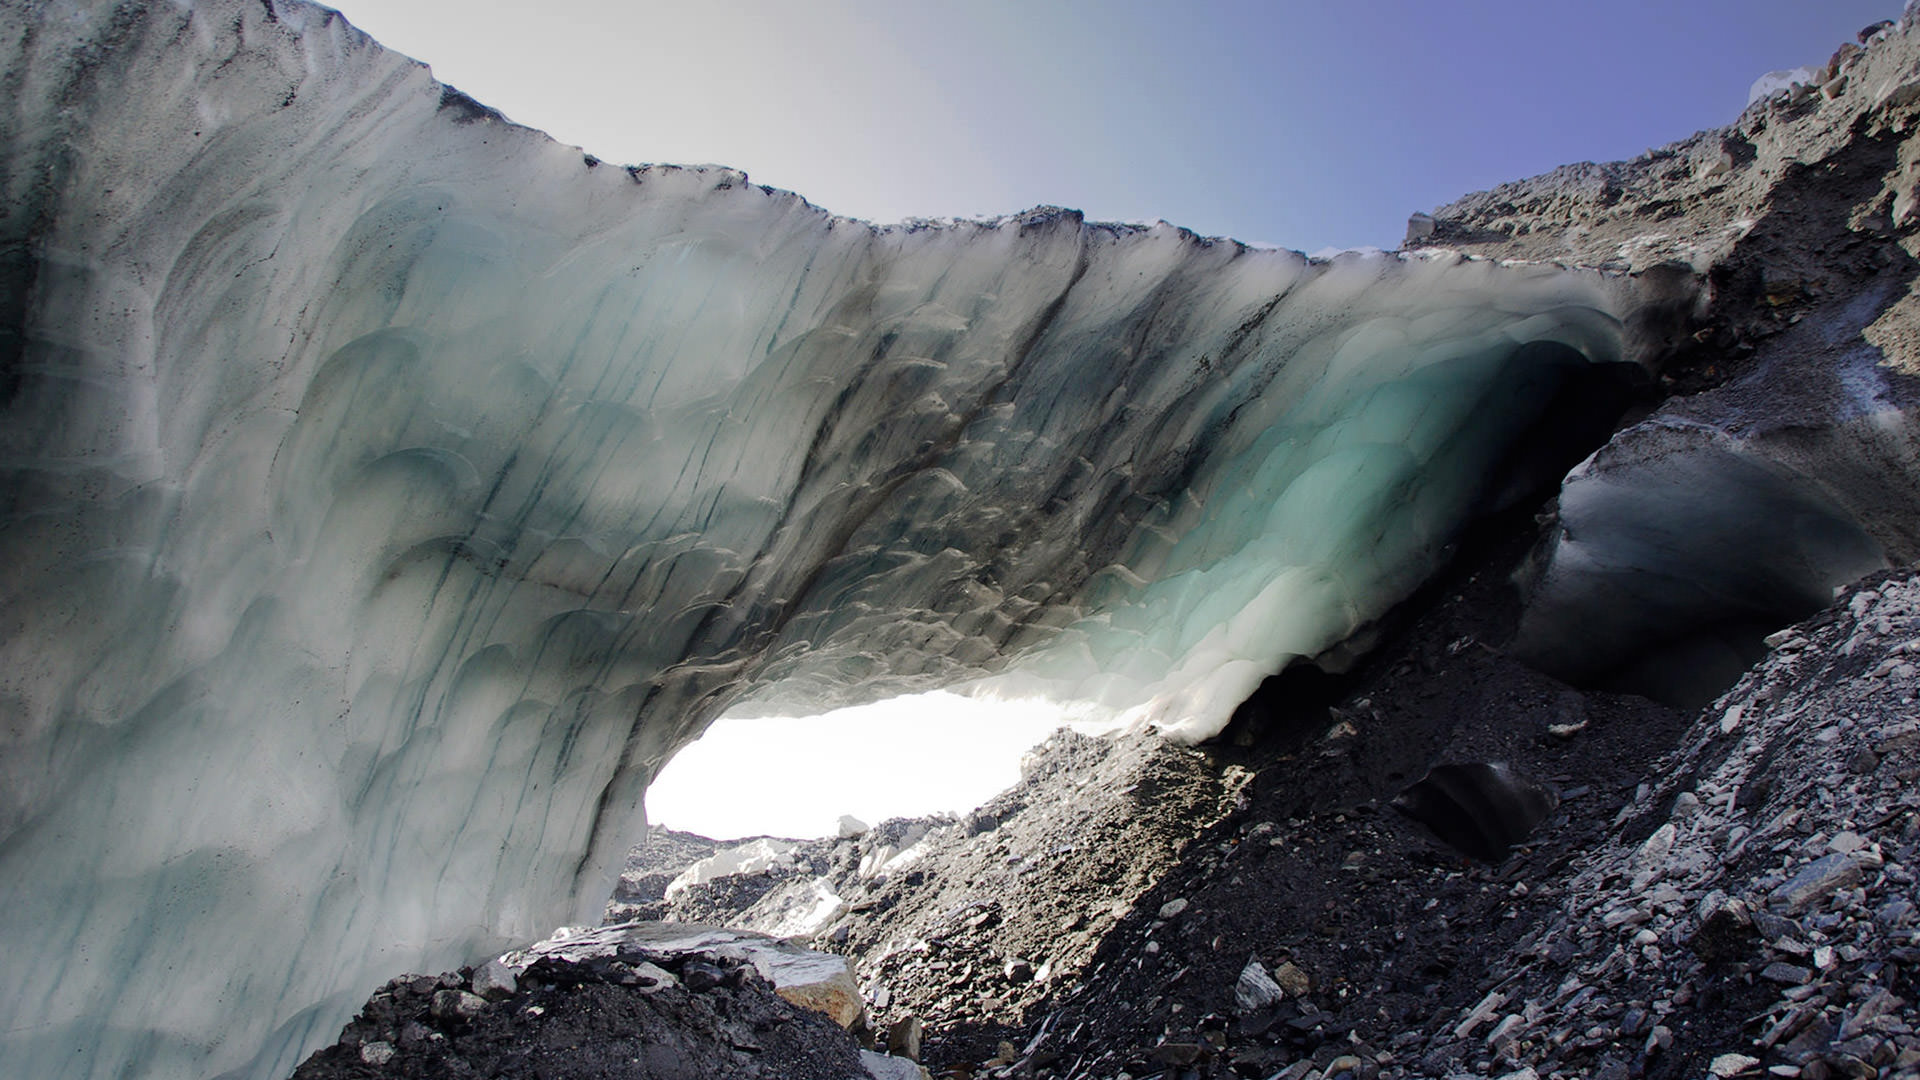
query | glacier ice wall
[1678, 549]
[388, 490]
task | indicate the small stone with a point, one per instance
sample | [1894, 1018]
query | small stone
[1256, 989]
[1849, 1065]
[1479, 1014]
[495, 980]
[657, 977]
[1877, 1004]
[1173, 1053]
[888, 1067]
[1172, 908]
[1420, 226]
[457, 1005]
[1785, 973]
[1018, 971]
[849, 827]
[1728, 1065]
[1845, 841]
[904, 1037]
[1293, 980]
[377, 1053]
[1726, 932]
[1816, 881]
[1654, 853]
[701, 976]
[1863, 761]
[1625, 916]
[1773, 927]
[1502, 1034]
[1792, 946]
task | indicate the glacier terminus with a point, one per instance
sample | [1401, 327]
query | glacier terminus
[389, 490]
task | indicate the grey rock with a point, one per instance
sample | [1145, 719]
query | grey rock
[495, 980]
[701, 976]
[1785, 973]
[1815, 882]
[457, 1005]
[1256, 989]
[1293, 980]
[885, 1067]
[1894, 914]
[657, 977]
[1774, 928]
[904, 1037]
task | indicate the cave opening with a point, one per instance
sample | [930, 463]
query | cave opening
[755, 773]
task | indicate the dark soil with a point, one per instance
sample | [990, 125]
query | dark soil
[1396, 931]
[603, 1020]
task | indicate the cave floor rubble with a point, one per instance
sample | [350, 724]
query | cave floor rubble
[1723, 891]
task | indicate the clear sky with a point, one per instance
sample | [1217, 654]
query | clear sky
[910, 757]
[1306, 123]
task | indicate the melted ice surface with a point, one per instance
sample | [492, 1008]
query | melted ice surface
[390, 490]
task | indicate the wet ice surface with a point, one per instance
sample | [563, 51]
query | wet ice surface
[391, 490]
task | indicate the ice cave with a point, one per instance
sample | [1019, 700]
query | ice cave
[391, 489]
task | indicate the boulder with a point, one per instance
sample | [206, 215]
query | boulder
[813, 980]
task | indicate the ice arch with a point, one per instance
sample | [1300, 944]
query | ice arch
[389, 489]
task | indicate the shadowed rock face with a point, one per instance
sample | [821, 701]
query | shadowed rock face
[1480, 809]
[389, 490]
[1676, 553]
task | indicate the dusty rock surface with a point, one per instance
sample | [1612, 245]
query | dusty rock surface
[975, 920]
[634, 1016]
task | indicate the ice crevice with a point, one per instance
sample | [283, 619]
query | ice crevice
[390, 490]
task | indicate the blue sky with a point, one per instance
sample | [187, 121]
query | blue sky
[1307, 124]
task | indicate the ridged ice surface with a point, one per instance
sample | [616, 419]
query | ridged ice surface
[389, 490]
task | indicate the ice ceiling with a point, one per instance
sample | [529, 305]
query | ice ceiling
[390, 490]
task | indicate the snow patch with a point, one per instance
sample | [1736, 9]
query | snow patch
[750, 858]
